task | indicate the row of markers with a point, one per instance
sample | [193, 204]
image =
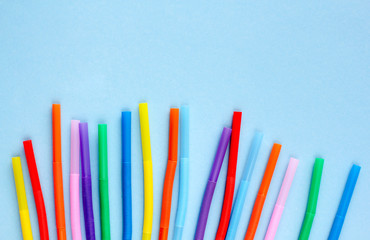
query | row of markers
[179, 125]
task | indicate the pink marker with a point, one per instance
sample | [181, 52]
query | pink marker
[280, 203]
[74, 181]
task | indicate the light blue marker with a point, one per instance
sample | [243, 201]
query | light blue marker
[184, 173]
[236, 212]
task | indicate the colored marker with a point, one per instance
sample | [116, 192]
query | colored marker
[74, 179]
[262, 192]
[58, 174]
[148, 171]
[170, 173]
[103, 182]
[344, 202]
[126, 175]
[283, 195]
[243, 186]
[312, 199]
[36, 188]
[22, 199]
[211, 184]
[182, 203]
[230, 180]
[86, 182]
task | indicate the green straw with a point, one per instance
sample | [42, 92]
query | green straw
[103, 182]
[312, 199]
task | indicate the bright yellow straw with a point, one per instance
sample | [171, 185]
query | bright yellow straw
[148, 171]
[22, 199]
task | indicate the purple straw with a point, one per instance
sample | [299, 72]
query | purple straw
[86, 182]
[211, 184]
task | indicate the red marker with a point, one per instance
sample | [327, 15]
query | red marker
[230, 181]
[36, 187]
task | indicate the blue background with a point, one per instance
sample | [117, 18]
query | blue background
[299, 71]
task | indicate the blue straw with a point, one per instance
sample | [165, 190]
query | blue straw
[126, 175]
[344, 202]
[184, 173]
[238, 205]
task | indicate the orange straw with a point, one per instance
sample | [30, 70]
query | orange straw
[170, 173]
[262, 192]
[58, 174]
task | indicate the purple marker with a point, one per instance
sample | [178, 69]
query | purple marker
[211, 184]
[86, 182]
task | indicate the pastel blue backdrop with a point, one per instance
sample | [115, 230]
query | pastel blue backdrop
[299, 71]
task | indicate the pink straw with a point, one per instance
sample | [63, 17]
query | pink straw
[280, 203]
[74, 181]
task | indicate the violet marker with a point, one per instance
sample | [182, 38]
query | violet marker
[211, 184]
[86, 182]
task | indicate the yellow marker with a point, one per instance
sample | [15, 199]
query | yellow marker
[22, 200]
[148, 171]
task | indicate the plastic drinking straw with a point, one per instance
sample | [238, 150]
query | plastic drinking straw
[74, 179]
[243, 186]
[36, 188]
[280, 202]
[262, 192]
[230, 180]
[182, 203]
[58, 173]
[126, 175]
[22, 199]
[86, 182]
[344, 202]
[211, 184]
[148, 171]
[312, 199]
[170, 173]
[103, 182]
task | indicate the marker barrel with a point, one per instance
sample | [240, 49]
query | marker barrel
[283, 195]
[243, 186]
[344, 202]
[182, 203]
[36, 188]
[74, 181]
[170, 173]
[103, 182]
[148, 171]
[312, 199]
[126, 175]
[230, 180]
[22, 199]
[86, 182]
[58, 173]
[262, 192]
[211, 184]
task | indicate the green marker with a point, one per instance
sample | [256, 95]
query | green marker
[103, 182]
[312, 199]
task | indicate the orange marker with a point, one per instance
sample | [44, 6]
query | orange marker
[58, 173]
[262, 192]
[170, 173]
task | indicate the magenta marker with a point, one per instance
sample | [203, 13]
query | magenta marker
[211, 184]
